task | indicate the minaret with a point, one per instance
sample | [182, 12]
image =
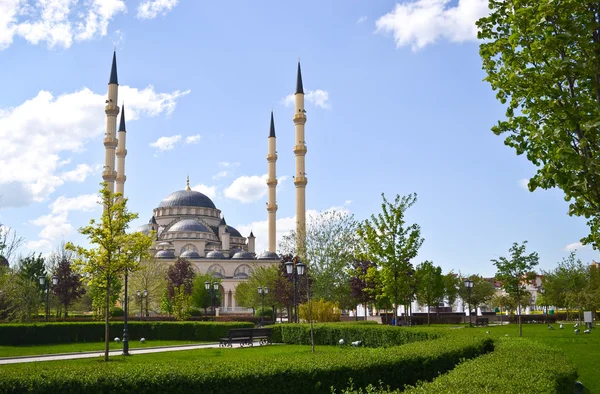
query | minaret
[121, 153]
[110, 138]
[272, 184]
[300, 178]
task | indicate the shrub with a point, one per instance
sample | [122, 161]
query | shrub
[322, 311]
[117, 312]
[303, 373]
[371, 335]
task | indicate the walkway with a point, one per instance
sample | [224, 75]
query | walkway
[73, 356]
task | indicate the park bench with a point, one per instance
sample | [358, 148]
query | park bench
[482, 321]
[246, 336]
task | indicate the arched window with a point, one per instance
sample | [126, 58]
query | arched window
[216, 270]
[242, 271]
[188, 248]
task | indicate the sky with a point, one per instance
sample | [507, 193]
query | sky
[396, 104]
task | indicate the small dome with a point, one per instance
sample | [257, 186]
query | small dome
[187, 198]
[215, 254]
[233, 232]
[266, 255]
[243, 255]
[165, 244]
[144, 229]
[188, 225]
[165, 254]
[189, 254]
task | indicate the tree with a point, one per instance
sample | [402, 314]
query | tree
[31, 268]
[180, 281]
[501, 301]
[516, 271]
[150, 275]
[330, 236]
[430, 285]
[359, 282]
[9, 243]
[451, 286]
[200, 297]
[564, 284]
[69, 286]
[248, 296]
[112, 254]
[542, 58]
[283, 287]
[481, 292]
[391, 243]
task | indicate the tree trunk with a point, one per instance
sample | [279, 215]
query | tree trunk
[106, 325]
[428, 309]
[501, 321]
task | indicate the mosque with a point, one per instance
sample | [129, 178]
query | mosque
[188, 224]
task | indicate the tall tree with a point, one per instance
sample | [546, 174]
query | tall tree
[200, 297]
[451, 286]
[390, 242]
[31, 268]
[69, 286]
[360, 284]
[330, 237]
[108, 259]
[481, 292]
[564, 285]
[430, 285]
[542, 58]
[150, 275]
[180, 282]
[515, 272]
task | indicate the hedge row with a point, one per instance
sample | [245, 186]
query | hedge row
[303, 373]
[516, 366]
[370, 335]
[49, 333]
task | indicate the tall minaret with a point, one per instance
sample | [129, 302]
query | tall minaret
[300, 178]
[110, 139]
[272, 184]
[121, 153]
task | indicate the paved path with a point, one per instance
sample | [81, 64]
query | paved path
[73, 356]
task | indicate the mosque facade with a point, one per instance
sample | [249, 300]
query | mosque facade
[187, 223]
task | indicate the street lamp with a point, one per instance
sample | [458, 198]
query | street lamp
[212, 290]
[469, 286]
[126, 311]
[46, 287]
[298, 271]
[142, 295]
[262, 291]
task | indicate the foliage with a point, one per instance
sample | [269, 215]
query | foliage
[361, 288]
[515, 272]
[181, 303]
[451, 286]
[180, 276]
[248, 296]
[481, 292]
[542, 59]
[97, 291]
[165, 303]
[322, 311]
[430, 285]
[251, 371]
[150, 275]
[20, 297]
[9, 243]
[115, 250]
[567, 284]
[391, 243]
[31, 268]
[69, 286]
[200, 297]
[283, 287]
[330, 237]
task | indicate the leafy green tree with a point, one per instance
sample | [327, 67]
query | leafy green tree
[165, 303]
[201, 298]
[564, 284]
[515, 272]
[502, 302]
[31, 268]
[69, 286]
[430, 285]
[359, 283]
[391, 243]
[248, 296]
[150, 275]
[542, 59]
[330, 239]
[113, 249]
[481, 292]
[451, 286]
[180, 281]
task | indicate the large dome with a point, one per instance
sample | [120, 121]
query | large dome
[187, 198]
[188, 225]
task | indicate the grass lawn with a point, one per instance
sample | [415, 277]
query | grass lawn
[583, 350]
[34, 350]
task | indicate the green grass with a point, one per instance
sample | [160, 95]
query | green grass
[35, 350]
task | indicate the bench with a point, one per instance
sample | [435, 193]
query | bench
[246, 336]
[482, 322]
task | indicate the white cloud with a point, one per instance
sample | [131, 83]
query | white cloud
[210, 191]
[56, 225]
[37, 133]
[575, 246]
[149, 9]
[423, 22]
[361, 20]
[247, 189]
[192, 139]
[523, 183]
[284, 226]
[220, 174]
[165, 143]
[227, 164]
[56, 22]
[319, 98]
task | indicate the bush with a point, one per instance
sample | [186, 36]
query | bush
[303, 373]
[48, 333]
[371, 335]
[117, 312]
[322, 311]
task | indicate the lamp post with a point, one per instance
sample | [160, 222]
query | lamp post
[142, 295]
[295, 268]
[126, 312]
[212, 291]
[469, 286]
[262, 291]
[46, 286]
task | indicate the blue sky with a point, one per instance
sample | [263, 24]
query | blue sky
[396, 105]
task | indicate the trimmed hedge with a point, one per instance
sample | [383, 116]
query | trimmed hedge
[303, 373]
[371, 335]
[49, 333]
